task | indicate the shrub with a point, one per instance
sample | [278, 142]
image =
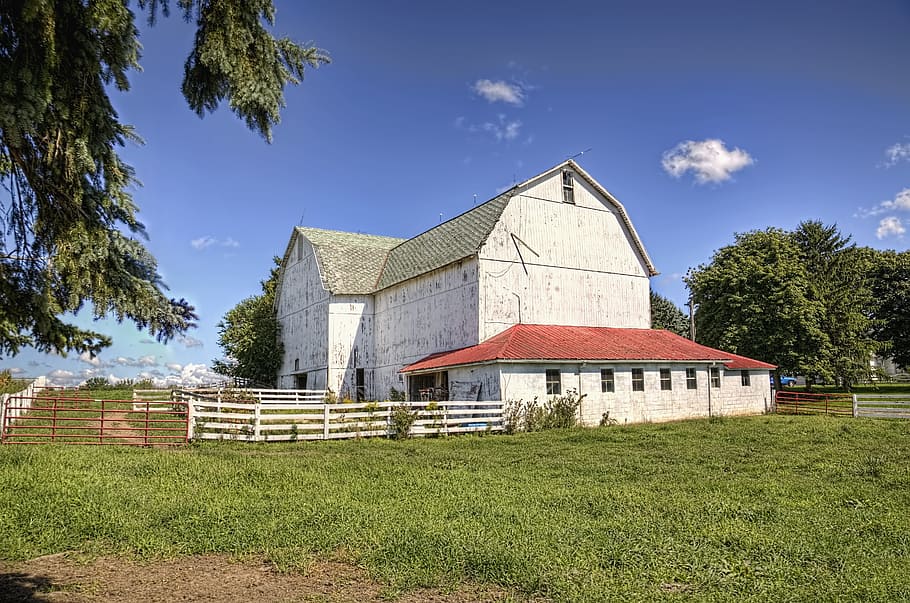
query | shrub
[396, 395]
[402, 420]
[559, 412]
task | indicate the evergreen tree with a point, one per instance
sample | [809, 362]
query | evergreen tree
[891, 292]
[69, 235]
[666, 315]
[839, 277]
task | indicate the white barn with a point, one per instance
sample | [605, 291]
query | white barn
[542, 289]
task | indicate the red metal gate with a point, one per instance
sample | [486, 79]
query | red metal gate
[66, 420]
[805, 403]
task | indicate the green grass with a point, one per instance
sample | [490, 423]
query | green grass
[753, 509]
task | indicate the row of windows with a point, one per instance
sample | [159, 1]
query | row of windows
[608, 380]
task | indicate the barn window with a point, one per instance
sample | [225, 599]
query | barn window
[607, 384]
[299, 248]
[666, 384]
[715, 376]
[638, 380]
[300, 381]
[744, 378]
[568, 187]
[554, 383]
[691, 379]
[296, 364]
[360, 384]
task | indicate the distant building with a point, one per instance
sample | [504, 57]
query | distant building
[541, 290]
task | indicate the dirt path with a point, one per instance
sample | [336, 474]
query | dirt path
[207, 578]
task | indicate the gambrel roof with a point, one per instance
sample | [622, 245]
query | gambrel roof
[349, 263]
[453, 240]
[352, 263]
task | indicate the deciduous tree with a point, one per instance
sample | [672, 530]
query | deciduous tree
[248, 335]
[752, 299]
[69, 233]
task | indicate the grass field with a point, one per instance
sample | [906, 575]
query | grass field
[752, 509]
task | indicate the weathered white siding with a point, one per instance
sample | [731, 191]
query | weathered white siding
[550, 262]
[434, 312]
[738, 399]
[303, 312]
[528, 380]
[350, 342]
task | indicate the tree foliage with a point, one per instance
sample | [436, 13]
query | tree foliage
[69, 233]
[248, 335]
[666, 315]
[891, 291]
[802, 300]
[752, 300]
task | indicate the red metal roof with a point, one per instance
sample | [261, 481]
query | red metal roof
[554, 342]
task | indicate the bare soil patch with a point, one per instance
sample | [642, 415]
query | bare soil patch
[56, 578]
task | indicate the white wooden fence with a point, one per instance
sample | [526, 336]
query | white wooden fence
[882, 406]
[21, 407]
[273, 420]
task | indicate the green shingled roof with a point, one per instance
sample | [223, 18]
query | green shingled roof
[350, 263]
[449, 242]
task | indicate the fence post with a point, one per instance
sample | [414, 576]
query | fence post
[4, 398]
[190, 419]
[257, 414]
[325, 421]
[855, 407]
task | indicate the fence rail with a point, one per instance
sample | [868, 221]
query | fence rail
[260, 422]
[68, 420]
[882, 406]
[803, 403]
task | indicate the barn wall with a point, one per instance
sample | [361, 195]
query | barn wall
[350, 342]
[525, 381]
[737, 399]
[302, 310]
[434, 312]
[565, 265]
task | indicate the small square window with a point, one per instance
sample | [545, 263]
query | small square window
[568, 187]
[715, 376]
[744, 378]
[607, 384]
[691, 379]
[554, 383]
[638, 380]
[666, 384]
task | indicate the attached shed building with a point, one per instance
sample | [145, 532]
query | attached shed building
[542, 289]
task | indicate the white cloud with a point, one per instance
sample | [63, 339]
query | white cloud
[207, 241]
[190, 342]
[901, 202]
[62, 378]
[145, 361]
[173, 366]
[16, 370]
[890, 227]
[710, 160]
[499, 91]
[897, 153]
[203, 242]
[502, 130]
[191, 375]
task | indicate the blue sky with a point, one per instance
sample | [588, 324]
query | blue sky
[703, 118]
